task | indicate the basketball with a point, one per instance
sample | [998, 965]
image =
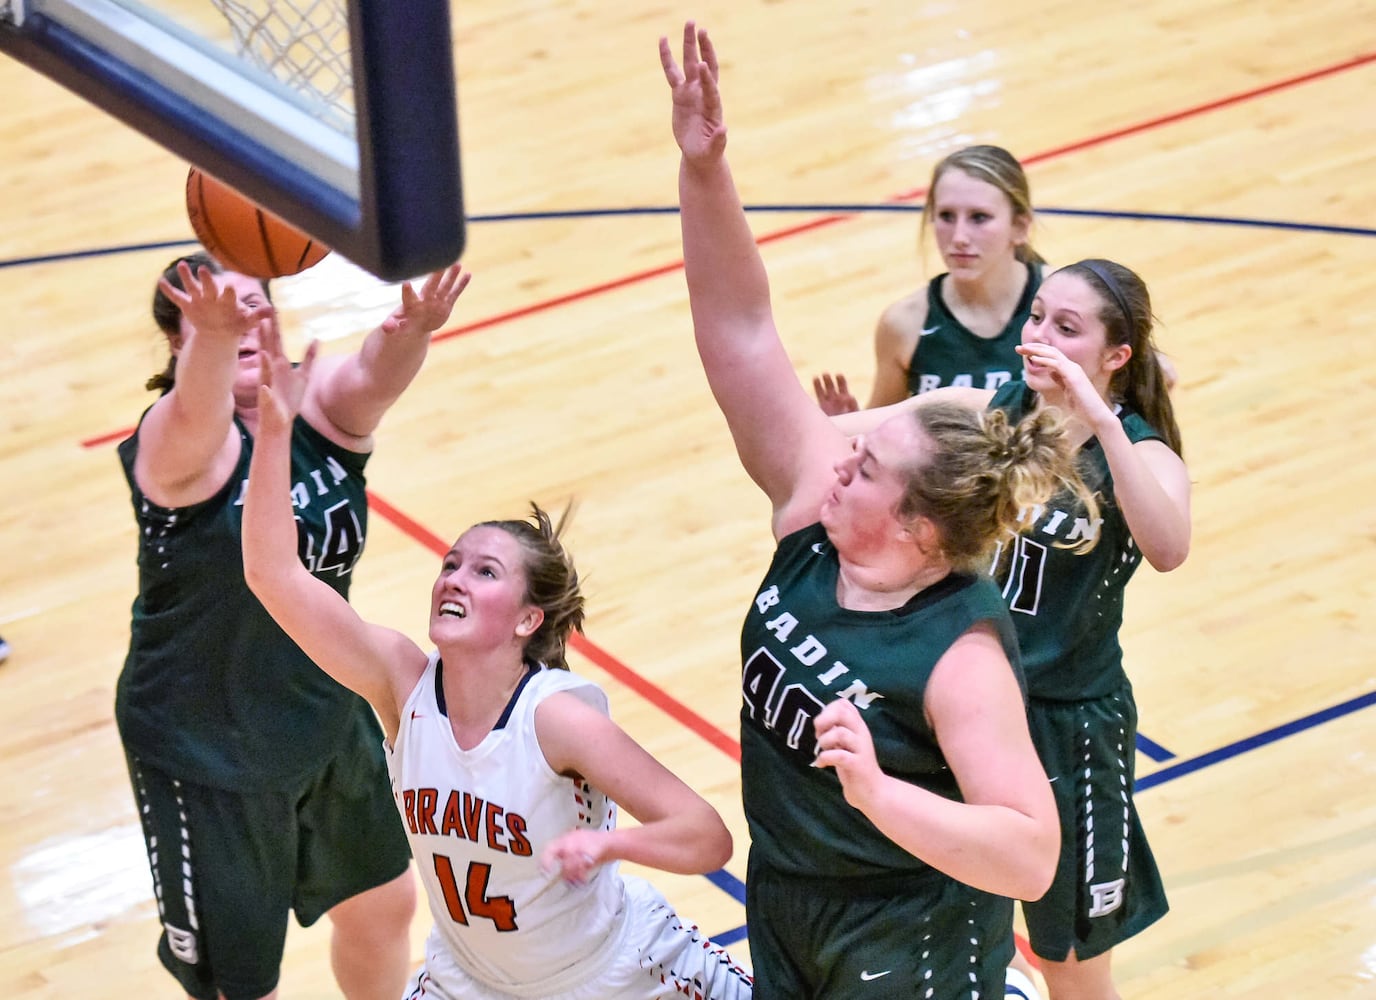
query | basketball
[244, 237]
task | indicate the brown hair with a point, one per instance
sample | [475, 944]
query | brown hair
[983, 472]
[1125, 311]
[169, 317]
[992, 165]
[551, 584]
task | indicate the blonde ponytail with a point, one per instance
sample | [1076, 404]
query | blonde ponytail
[983, 472]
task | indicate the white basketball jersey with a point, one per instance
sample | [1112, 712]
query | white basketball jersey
[478, 821]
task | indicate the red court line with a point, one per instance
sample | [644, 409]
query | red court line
[408, 525]
[658, 697]
[107, 437]
[547, 304]
[1247, 95]
[561, 300]
[671, 706]
[611, 286]
[1049, 154]
[915, 193]
[655, 695]
[1355, 62]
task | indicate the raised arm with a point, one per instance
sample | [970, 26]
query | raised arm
[351, 395]
[784, 440]
[1004, 837]
[678, 830]
[187, 448]
[377, 663]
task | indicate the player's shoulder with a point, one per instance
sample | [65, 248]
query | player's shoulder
[905, 317]
[548, 684]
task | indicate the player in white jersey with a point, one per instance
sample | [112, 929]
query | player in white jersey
[481, 819]
[506, 768]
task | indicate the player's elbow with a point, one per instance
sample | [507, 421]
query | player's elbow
[262, 580]
[1041, 853]
[1165, 565]
[714, 844]
[1164, 558]
[254, 575]
[1165, 543]
[1037, 880]
[720, 849]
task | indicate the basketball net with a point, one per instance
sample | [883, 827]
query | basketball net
[304, 44]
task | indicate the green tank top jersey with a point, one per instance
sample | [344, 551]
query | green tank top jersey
[949, 354]
[212, 689]
[1068, 607]
[800, 650]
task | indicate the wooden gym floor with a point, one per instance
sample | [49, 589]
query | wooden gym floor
[1223, 148]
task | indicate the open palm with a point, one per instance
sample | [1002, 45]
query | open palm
[425, 311]
[698, 126]
[282, 384]
[211, 309]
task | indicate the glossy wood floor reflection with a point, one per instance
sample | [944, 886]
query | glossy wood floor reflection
[1223, 148]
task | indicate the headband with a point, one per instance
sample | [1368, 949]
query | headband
[1102, 273]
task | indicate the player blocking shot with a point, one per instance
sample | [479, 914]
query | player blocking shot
[895, 800]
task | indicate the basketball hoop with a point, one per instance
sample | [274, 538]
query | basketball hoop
[304, 44]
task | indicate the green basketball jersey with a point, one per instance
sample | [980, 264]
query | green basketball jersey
[212, 689]
[1068, 607]
[800, 650]
[949, 354]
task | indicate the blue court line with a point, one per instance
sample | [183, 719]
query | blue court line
[733, 886]
[887, 207]
[57, 258]
[1212, 220]
[728, 938]
[1089, 213]
[1152, 750]
[1253, 742]
[728, 884]
[593, 213]
[1149, 748]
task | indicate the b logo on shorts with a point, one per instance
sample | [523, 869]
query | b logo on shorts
[182, 943]
[1107, 896]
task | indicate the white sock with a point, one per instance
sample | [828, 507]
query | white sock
[1015, 984]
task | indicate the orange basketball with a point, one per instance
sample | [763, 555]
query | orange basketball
[244, 237]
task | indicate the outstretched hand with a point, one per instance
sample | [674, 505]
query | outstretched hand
[698, 126]
[422, 313]
[210, 309]
[281, 385]
[833, 394]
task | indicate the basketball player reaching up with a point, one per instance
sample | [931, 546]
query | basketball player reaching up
[895, 801]
[505, 766]
[260, 782]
